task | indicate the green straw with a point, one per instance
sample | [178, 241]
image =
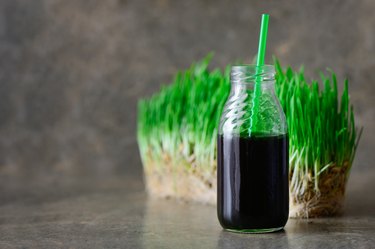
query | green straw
[260, 63]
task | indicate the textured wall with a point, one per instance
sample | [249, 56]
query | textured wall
[72, 71]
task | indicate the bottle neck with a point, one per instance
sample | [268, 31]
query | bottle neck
[249, 77]
[249, 74]
[264, 87]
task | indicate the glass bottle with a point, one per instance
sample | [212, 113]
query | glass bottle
[252, 174]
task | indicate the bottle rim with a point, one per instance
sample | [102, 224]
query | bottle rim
[249, 73]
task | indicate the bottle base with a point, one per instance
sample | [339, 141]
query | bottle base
[254, 231]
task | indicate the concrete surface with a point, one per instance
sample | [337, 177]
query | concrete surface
[114, 212]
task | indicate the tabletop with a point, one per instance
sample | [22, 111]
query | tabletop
[114, 211]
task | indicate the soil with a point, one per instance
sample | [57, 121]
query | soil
[188, 182]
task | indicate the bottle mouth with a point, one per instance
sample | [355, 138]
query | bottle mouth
[248, 73]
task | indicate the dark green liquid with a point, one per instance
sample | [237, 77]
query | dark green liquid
[252, 180]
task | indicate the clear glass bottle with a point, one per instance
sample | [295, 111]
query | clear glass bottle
[252, 174]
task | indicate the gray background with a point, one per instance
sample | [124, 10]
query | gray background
[71, 72]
